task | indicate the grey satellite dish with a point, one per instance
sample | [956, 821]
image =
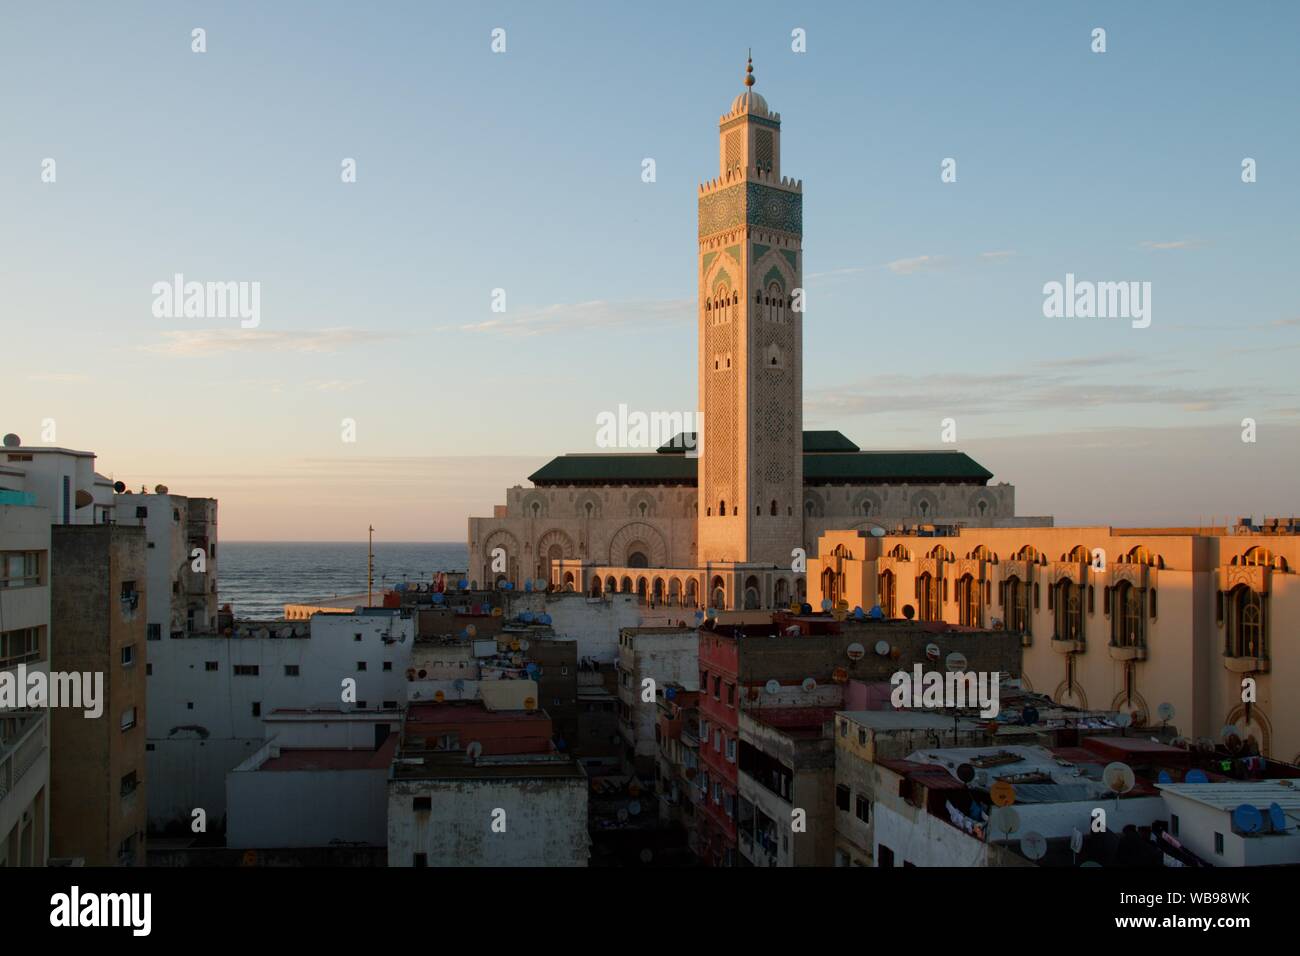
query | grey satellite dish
[956, 661]
[826, 604]
[882, 648]
[1033, 845]
[877, 532]
[856, 651]
[540, 584]
[809, 685]
[1165, 712]
[772, 687]
[1004, 820]
[634, 807]
[1119, 777]
[523, 645]
[473, 750]
[13, 441]
[1122, 719]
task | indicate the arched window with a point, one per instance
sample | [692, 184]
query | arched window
[1028, 553]
[970, 609]
[1078, 553]
[900, 552]
[887, 589]
[1015, 603]
[1246, 618]
[1068, 602]
[588, 508]
[1127, 622]
[537, 509]
[775, 302]
[927, 593]
[772, 509]
[1256, 557]
[722, 508]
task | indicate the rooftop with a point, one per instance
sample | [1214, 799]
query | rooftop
[1230, 795]
[333, 759]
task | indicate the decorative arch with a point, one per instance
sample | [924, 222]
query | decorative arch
[983, 505]
[1133, 704]
[535, 504]
[1258, 720]
[638, 532]
[1076, 697]
[814, 506]
[923, 505]
[587, 505]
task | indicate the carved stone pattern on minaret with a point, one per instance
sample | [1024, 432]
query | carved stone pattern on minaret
[753, 204]
[720, 422]
[774, 437]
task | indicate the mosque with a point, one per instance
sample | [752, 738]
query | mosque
[726, 526]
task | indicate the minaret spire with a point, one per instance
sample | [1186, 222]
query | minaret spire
[749, 69]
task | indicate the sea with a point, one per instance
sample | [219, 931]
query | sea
[259, 577]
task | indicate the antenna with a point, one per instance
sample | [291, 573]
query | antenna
[370, 569]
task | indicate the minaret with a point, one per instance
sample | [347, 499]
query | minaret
[750, 335]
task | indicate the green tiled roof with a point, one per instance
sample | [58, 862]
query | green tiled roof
[812, 441]
[819, 467]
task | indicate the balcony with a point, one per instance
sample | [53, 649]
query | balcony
[1131, 652]
[20, 752]
[1066, 645]
[1246, 665]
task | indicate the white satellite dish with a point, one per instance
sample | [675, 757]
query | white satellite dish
[856, 651]
[473, 750]
[882, 648]
[826, 604]
[1119, 777]
[809, 685]
[1033, 845]
[523, 645]
[877, 532]
[1122, 719]
[1004, 819]
[772, 687]
[1165, 712]
[956, 661]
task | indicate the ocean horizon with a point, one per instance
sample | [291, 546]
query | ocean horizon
[257, 578]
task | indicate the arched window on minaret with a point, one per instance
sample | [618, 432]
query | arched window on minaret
[775, 307]
[722, 508]
[773, 508]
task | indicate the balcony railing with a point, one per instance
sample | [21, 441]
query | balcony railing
[20, 753]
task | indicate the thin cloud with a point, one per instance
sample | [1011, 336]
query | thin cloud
[1174, 244]
[596, 314]
[1000, 255]
[907, 267]
[59, 378]
[214, 341]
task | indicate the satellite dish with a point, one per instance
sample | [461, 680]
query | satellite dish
[956, 661]
[792, 631]
[876, 613]
[1029, 716]
[1233, 743]
[634, 807]
[1033, 845]
[528, 586]
[856, 651]
[965, 773]
[826, 604]
[1276, 818]
[932, 651]
[877, 532]
[1196, 776]
[473, 750]
[119, 486]
[1004, 819]
[1247, 819]
[458, 684]
[1121, 719]
[1119, 777]
[13, 441]
[670, 693]
[1229, 730]
[858, 613]
[809, 685]
[1163, 777]
[1076, 840]
[1002, 794]
[470, 630]
[160, 489]
[462, 584]
[772, 687]
[909, 612]
[523, 645]
[882, 648]
[699, 616]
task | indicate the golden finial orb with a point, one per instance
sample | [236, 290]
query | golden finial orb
[749, 72]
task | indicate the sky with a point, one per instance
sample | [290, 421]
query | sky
[522, 171]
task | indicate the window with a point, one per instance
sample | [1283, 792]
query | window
[884, 856]
[128, 784]
[969, 608]
[731, 749]
[731, 695]
[290, 670]
[1245, 633]
[862, 809]
[1067, 601]
[141, 511]
[717, 687]
[842, 797]
[388, 665]
[927, 591]
[422, 804]
[128, 719]
[189, 705]
[213, 665]
[862, 737]
[717, 741]
[420, 859]
[148, 670]
[130, 596]
[257, 708]
[246, 670]
[154, 632]
[1127, 622]
[1218, 843]
[361, 665]
[128, 655]
[20, 569]
[1173, 824]
[356, 637]
[19, 646]
[361, 705]
[390, 705]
